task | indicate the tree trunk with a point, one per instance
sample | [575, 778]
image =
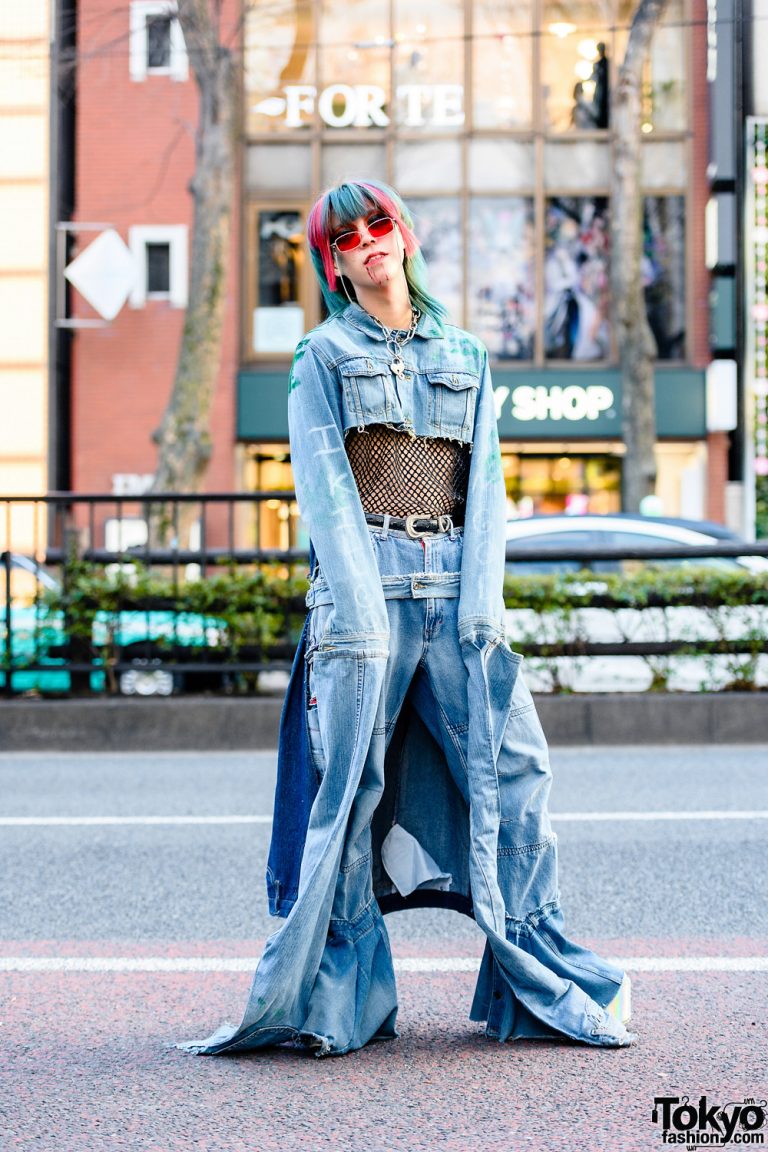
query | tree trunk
[637, 347]
[183, 438]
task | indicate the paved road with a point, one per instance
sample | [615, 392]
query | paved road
[141, 926]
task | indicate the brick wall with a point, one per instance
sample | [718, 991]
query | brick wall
[135, 156]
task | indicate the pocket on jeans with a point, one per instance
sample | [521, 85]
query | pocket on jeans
[318, 624]
[316, 750]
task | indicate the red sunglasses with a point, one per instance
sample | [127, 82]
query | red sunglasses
[348, 241]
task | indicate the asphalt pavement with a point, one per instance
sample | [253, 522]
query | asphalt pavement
[133, 910]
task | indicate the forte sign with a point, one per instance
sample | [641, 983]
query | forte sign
[363, 105]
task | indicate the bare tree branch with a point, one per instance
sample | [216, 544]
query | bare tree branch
[637, 348]
[183, 438]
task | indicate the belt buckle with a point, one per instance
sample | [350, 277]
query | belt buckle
[414, 532]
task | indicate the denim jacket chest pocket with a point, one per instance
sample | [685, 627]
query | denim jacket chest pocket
[452, 397]
[370, 392]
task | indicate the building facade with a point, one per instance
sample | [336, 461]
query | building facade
[752, 182]
[494, 122]
[24, 205]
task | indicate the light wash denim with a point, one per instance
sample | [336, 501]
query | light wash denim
[415, 714]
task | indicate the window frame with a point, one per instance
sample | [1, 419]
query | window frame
[316, 135]
[140, 12]
[176, 237]
[249, 295]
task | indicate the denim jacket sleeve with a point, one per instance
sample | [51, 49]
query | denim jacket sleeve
[329, 501]
[481, 602]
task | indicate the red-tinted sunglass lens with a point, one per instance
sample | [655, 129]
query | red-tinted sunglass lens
[347, 241]
[381, 227]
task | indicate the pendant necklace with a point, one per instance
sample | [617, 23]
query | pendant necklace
[397, 340]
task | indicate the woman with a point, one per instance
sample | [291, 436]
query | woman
[412, 768]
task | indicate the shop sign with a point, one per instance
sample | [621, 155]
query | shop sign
[756, 228]
[573, 402]
[362, 105]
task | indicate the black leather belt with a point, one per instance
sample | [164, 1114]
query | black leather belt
[415, 526]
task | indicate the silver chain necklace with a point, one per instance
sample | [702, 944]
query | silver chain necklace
[396, 341]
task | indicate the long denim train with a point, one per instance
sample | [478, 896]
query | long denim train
[326, 977]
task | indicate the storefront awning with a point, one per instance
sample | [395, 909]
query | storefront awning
[538, 404]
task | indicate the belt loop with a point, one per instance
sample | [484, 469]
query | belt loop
[385, 526]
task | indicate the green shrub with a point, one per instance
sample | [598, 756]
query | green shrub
[258, 612]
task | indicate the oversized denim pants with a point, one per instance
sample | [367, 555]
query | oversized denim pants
[326, 977]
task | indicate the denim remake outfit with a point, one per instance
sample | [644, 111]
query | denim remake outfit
[412, 768]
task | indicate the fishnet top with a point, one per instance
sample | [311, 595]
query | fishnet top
[408, 475]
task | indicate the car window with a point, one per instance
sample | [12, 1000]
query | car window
[636, 540]
[523, 567]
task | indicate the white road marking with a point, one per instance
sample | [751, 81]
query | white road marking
[97, 821]
[419, 964]
[694, 814]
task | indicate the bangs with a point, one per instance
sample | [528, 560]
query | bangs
[348, 203]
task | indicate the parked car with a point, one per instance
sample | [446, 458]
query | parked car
[600, 625]
[622, 530]
[39, 637]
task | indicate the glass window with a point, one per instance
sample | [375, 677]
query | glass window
[342, 161]
[158, 42]
[273, 167]
[501, 275]
[431, 166]
[437, 224]
[500, 166]
[664, 273]
[276, 523]
[354, 64]
[576, 64]
[502, 53]
[277, 296]
[279, 66]
[581, 166]
[576, 485]
[158, 269]
[576, 279]
[664, 81]
[663, 163]
[667, 79]
[429, 62]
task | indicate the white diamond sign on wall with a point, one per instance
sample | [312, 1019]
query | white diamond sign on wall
[104, 273]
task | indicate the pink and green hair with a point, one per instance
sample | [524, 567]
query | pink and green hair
[343, 204]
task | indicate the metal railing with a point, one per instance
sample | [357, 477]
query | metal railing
[61, 530]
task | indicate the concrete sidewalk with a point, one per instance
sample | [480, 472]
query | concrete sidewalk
[221, 723]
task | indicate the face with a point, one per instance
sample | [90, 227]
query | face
[377, 258]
